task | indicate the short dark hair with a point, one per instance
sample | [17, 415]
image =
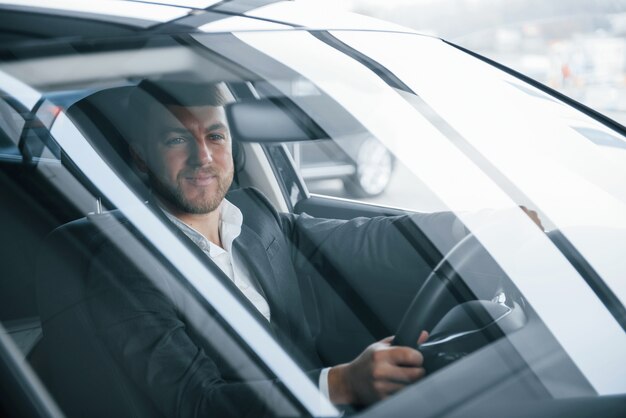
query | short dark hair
[168, 93]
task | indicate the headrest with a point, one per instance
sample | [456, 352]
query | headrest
[105, 120]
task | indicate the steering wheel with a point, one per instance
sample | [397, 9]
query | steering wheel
[461, 313]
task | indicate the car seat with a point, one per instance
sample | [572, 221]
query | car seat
[66, 356]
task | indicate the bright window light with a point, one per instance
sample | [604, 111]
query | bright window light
[143, 11]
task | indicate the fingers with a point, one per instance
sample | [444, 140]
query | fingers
[387, 340]
[388, 376]
[397, 374]
[421, 339]
[384, 389]
[533, 215]
[400, 364]
[400, 356]
[378, 372]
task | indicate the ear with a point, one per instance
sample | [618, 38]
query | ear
[138, 158]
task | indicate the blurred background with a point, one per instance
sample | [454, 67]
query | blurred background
[575, 46]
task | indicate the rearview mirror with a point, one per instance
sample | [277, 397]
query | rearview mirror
[271, 120]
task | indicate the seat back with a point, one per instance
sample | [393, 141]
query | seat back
[71, 359]
[103, 117]
[79, 372]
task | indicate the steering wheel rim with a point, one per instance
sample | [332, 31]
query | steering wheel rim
[444, 289]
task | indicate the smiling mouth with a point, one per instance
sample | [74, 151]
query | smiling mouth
[201, 180]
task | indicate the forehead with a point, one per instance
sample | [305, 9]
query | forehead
[188, 117]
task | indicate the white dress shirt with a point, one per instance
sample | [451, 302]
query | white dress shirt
[228, 261]
[233, 265]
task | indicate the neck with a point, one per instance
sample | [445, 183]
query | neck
[206, 223]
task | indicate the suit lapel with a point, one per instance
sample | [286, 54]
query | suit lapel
[253, 250]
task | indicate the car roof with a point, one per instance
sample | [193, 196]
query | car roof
[34, 21]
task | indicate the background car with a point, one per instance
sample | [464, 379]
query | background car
[523, 320]
[365, 171]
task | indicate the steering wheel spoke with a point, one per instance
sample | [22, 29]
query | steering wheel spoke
[465, 303]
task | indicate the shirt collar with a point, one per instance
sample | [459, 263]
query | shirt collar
[229, 226]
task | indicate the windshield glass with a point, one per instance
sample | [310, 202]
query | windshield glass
[375, 184]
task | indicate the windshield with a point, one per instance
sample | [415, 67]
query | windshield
[386, 181]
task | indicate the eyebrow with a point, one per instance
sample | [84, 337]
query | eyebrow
[216, 127]
[175, 129]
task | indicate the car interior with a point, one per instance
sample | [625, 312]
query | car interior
[33, 167]
[42, 296]
[43, 191]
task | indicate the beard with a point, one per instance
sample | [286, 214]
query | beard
[202, 203]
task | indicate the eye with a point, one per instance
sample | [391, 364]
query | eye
[216, 137]
[176, 140]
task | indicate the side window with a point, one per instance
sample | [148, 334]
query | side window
[351, 163]
[11, 124]
[356, 168]
[361, 169]
[83, 295]
[29, 175]
[26, 216]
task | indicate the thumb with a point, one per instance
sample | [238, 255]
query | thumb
[422, 338]
[387, 340]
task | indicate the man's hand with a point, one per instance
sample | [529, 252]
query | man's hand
[379, 371]
[533, 216]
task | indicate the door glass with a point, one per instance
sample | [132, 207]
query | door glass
[102, 318]
[110, 299]
[11, 124]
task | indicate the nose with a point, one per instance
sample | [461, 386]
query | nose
[201, 153]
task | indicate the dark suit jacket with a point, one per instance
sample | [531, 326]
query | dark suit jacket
[144, 324]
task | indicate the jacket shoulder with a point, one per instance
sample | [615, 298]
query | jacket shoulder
[254, 206]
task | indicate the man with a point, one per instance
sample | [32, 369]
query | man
[181, 141]
[187, 157]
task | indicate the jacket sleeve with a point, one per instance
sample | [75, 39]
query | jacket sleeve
[364, 255]
[405, 245]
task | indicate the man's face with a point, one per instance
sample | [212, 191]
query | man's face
[188, 157]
